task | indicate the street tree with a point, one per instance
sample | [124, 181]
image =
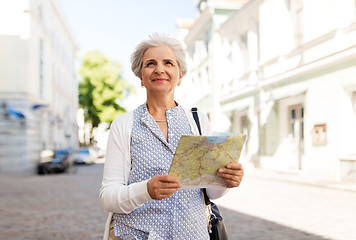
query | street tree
[101, 88]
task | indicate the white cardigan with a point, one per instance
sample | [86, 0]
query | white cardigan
[115, 194]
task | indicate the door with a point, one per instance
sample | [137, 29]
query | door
[296, 136]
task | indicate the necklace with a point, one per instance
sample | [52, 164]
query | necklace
[161, 120]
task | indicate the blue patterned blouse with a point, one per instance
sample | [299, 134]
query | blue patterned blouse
[180, 216]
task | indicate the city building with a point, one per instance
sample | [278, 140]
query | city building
[203, 46]
[39, 89]
[284, 74]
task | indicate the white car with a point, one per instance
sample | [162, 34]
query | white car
[86, 155]
[100, 152]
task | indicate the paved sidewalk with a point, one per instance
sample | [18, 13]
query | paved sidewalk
[271, 205]
[300, 179]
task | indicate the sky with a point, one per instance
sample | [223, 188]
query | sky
[115, 27]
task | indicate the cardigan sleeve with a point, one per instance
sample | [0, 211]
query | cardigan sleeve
[115, 194]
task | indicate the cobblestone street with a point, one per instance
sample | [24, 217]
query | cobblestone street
[67, 206]
[62, 206]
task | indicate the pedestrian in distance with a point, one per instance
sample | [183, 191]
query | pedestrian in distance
[143, 200]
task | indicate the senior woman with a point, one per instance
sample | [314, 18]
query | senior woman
[143, 200]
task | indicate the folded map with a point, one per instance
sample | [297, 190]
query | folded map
[198, 158]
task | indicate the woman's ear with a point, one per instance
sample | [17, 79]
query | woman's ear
[180, 79]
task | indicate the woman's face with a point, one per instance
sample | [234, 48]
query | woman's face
[160, 71]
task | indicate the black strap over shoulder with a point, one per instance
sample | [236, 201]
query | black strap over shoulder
[217, 228]
[206, 198]
[196, 118]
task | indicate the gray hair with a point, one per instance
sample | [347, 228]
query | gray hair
[157, 40]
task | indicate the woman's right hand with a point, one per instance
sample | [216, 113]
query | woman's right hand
[162, 186]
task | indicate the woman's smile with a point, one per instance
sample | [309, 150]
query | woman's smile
[160, 80]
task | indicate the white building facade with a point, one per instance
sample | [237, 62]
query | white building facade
[203, 46]
[286, 76]
[39, 89]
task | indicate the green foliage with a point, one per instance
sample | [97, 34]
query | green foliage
[101, 88]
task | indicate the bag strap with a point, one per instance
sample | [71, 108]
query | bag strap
[206, 197]
[196, 119]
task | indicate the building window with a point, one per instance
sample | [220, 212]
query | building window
[292, 122]
[354, 99]
[40, 15]
[41, 70]
[320, 135]
[245, 52]
[296, 12]
[244, 124]
[302, 123]
[296, 122]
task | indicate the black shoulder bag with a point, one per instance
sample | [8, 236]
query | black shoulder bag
[217, 230]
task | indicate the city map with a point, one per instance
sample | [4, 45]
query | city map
[198, 158]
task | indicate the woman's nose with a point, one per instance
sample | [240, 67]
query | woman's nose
[159, 69]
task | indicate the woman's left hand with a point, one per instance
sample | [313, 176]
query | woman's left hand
[232, 174]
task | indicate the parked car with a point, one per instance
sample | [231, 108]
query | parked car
[54, 161]
[100, 152]
[85, 155]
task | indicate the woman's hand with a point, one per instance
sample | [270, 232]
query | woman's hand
[162, 186]
[232, 174]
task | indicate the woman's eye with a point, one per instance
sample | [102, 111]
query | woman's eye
[149, 64]
[170, 63]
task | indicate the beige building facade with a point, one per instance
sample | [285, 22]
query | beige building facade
[39, 89]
